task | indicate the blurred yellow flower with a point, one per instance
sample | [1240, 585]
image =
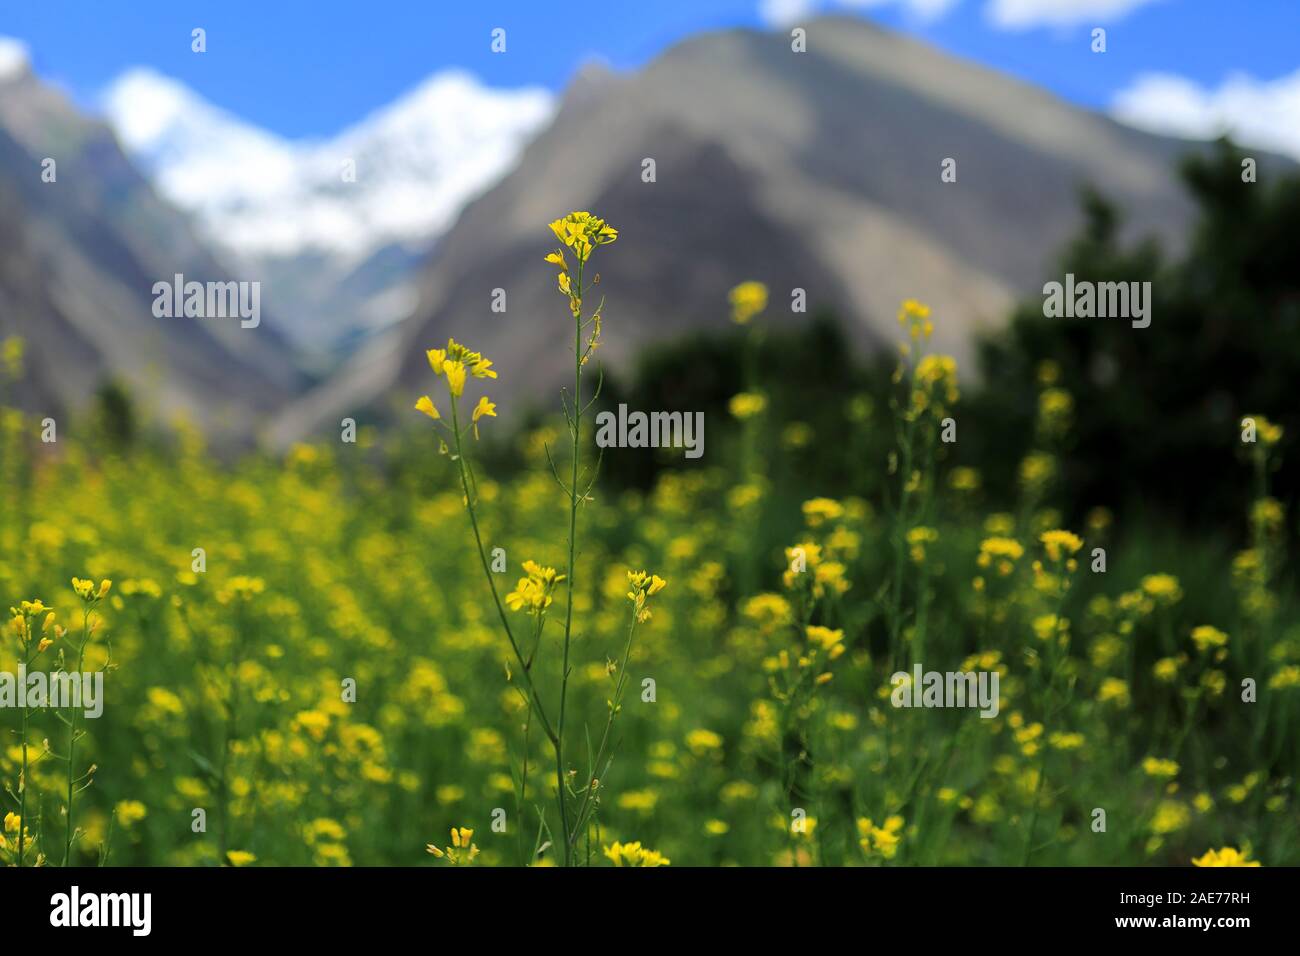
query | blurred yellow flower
[1226, 856]
[1163, 588]
[818, 511]
[634, 854]
[883, 839]
[1208, 638]
[747, 300]
[747, 405]
[1060, 544]
[1163, 769]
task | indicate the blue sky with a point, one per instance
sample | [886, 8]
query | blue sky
[308, 68]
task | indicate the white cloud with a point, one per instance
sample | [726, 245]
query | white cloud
[418, 161]
[15, 58]
[1257, 112]
[1025, 14]
[784, 13]
[1004, 14]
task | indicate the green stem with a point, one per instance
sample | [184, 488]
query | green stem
[901, 529]
[1048, 714]
[579, 823]
[72, 733]
[575, 428]
[22, 778]
[487, 571]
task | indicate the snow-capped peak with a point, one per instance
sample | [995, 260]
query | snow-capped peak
[416, 162]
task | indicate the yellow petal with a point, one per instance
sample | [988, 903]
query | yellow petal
[425, 404]
[455, 377]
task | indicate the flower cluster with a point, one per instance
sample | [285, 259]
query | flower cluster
[882, 840]
[1226, 856]
[747, 300]
[1060, 544]
[22, 623]
[644, 585]
[581, 232]
[809, 568]
[634, 854]
[1000, 554]
[935, 384]
[462, 850]
[456, 362]
[914, 316]
[917, 540]
[87, 592]
[534, 592]
[819, 511]
[1208, 638]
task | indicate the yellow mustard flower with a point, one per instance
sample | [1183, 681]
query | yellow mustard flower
[1113, 690]
[818, 511]
[1162, 588]
[747, 405]
[1160, 768]
[582, 233]
[701, 741]
[534, 591]
[1208, 638]
[1060, 544]
[1225, 856]
[425, 404]
[831, 641]
[482, 409]
[747, 300]
[634, 854]
[883, 839]
[455, 377]
[462, 850]
[644, 586]
[914, 316]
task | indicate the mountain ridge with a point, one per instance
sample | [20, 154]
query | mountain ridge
[800, 169]
[92, 242]
[308, 217]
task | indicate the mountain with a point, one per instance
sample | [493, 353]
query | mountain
[817, 170]
[78, 267]
[308, 218]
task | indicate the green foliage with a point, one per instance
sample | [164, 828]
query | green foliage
[1158, 410]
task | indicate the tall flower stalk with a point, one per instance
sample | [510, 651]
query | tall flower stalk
[748, 301]
[90, 597]
[1053, 580]
[579, 233]
[23, 625]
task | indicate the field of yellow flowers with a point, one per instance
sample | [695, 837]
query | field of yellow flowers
[383, 653]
